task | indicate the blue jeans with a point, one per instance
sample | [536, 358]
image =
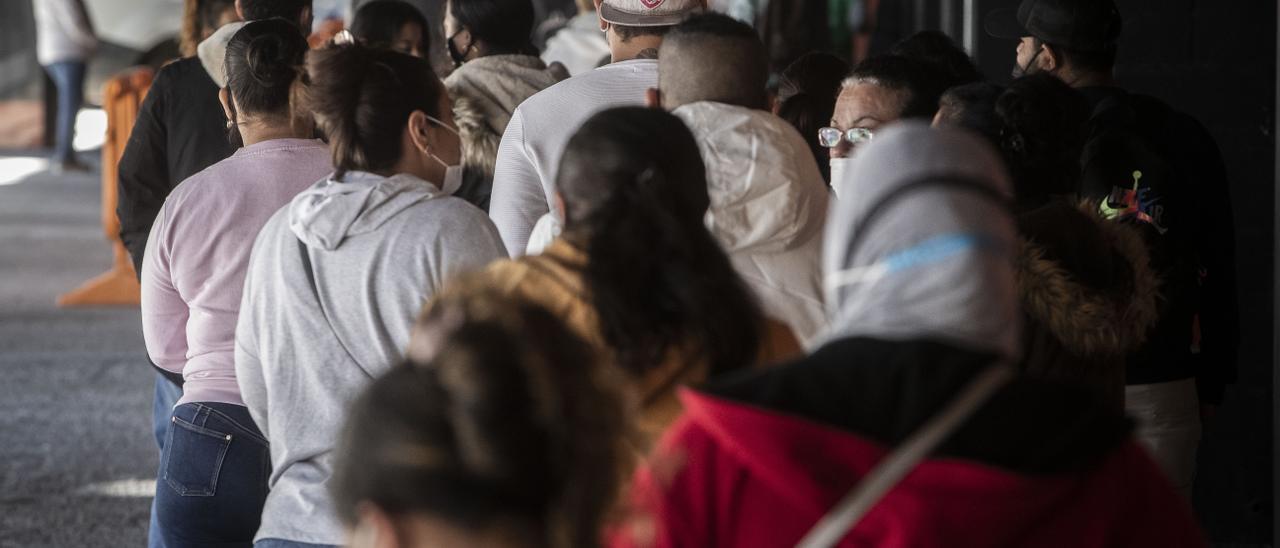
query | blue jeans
[281, 543]
[68, 76]
[213, 477]
[166, 396]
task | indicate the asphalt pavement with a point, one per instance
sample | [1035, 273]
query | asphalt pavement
[77, 459]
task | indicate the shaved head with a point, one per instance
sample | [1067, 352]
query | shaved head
[713, 57]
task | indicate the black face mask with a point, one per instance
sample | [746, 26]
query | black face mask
[458, 57]
[1019, 71]
[233, 125]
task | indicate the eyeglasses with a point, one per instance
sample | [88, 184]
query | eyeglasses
[830, 137]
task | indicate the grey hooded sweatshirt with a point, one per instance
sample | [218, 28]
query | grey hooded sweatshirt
[378, 248]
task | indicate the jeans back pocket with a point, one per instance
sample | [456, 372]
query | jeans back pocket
[193, 458]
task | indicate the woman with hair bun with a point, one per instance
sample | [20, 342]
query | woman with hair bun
[214, 466]
[338, 275]
[498, 432]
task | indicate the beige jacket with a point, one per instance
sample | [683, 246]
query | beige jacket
[485, 91]
[554, 281]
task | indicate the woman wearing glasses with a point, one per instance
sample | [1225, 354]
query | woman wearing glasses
[878, 91]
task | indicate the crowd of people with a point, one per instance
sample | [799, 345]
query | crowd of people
[639, 290]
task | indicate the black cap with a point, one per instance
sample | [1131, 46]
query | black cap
[1085, 25]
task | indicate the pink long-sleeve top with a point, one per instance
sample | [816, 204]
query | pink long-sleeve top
[196, 259]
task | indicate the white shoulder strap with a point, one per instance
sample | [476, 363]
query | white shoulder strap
[886, 474]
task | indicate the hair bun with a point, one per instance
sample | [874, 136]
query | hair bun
[264, 59]
[269, 64]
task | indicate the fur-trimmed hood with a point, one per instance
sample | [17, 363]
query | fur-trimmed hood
[1088, 281]
[485, 92]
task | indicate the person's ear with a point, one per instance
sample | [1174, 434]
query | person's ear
[417, 129]
[224, 97]
[561, 208]
[604, 25]
[239, 10]
[374, 528]
[653, 98]
[1049, 59]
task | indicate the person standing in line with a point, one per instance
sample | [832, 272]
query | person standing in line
[879, 91]
[636, 272]
[497, 69]
[529, 154]
[524, 434]
[768, 199]
[167, 145]
[1159, 170]
[393, 25]
[338, 275]
[64, 43]
[214, 466]
[200, 19]
[181, 126]
[924, 316]
[1088, 293]
[806, 99]
[579, 45]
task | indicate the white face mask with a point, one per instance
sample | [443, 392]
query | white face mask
[452, 178]
[839, 166]
[452, 173]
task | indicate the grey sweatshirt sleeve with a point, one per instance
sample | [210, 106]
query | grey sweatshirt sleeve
[518, 199]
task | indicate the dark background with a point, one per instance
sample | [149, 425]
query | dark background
[1217, 62]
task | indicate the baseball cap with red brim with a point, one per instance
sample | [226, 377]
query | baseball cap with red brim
[649, 13]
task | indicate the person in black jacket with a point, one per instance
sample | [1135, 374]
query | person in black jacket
[180, 130]
[1157, 169]
[1088, 294]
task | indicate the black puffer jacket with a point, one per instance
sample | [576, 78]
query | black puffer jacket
[181, 129]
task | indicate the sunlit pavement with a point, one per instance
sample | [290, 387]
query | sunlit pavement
[76, 453]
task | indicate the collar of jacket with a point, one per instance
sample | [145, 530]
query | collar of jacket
[884, 390]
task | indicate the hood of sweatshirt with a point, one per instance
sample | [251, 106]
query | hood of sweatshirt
[767, 194]
[324, 215]
[213, 52]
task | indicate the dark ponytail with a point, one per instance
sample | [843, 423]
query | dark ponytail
[503, 421]
[362, 98]
[635, 191]
[264, 60]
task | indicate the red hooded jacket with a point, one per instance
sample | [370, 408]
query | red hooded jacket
[730, 473]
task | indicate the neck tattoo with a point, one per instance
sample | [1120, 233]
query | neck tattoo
[648, 53]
